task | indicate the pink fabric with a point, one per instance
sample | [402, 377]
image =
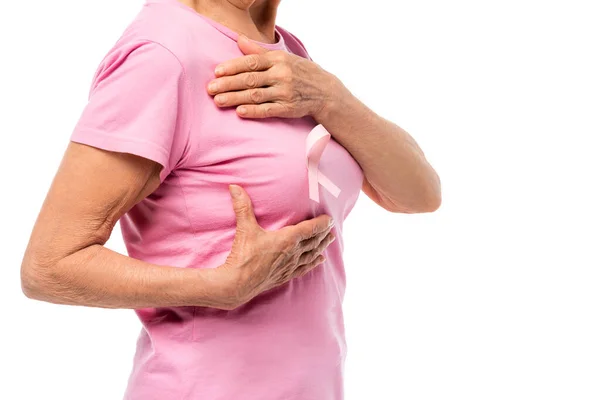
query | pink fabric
[316, 142]
[149, 98]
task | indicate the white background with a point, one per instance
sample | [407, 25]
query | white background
[495, 296]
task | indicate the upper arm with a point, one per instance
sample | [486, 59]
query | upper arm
[130, 136]
[91, 190]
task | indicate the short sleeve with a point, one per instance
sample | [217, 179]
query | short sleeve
[138, 104]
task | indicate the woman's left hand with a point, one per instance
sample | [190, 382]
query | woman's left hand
[276, 83]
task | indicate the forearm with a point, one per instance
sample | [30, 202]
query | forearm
[393, 163]
[99, 277]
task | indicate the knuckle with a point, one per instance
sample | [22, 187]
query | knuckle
[267, 111]
[288, 94]
[287, 70]
[242, 208]
[256, 95]
[290, 244]
[284, 74]
[288, 109]
[308, 244]
[294, 250]
[280, 56]
[287, 254]
[317, 238]
[252, 62]
[314, 230]
[251, 80]
[284, 243]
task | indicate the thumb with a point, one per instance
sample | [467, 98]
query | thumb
[248, 46]
[242, 206]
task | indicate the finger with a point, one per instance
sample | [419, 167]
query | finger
[251, 62]
[311, 227]
[306, 268]
[242, 207]
[248, 46]
[312, 243]
[264, 110]
[243, 81]
[250, 96]
[308, 256]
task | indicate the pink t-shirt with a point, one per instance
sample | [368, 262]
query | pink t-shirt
[149, 98]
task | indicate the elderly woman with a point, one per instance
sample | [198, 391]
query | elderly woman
[231, 161]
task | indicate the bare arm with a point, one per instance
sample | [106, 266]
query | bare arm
[398, 177]
[266, 83]
[66, 262]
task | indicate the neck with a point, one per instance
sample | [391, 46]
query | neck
[253, 18]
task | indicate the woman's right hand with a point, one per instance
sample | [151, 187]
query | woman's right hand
[261, 260]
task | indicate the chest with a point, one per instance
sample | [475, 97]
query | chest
[268, 158]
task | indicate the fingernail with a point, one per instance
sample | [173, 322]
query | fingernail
[220, 99]
[242, 110]
[331, 222]
[235, 190]
[219, 70]
[213, 87]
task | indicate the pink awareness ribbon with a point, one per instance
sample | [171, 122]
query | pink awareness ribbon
[315, 145]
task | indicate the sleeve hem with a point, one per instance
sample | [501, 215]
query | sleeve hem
[141, 148]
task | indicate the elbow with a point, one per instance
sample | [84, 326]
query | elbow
[432, 202]
[31, 281]
[29, 285]
[423, 206]
[427, 200]
[36, 280]
[433, 206]
[430, 199]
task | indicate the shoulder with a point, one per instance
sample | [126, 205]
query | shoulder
[294, 44]
[166, 37]
[138, 61]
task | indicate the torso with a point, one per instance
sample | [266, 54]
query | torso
[287, 343]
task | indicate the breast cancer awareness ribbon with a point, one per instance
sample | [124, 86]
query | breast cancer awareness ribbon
[316, 142]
